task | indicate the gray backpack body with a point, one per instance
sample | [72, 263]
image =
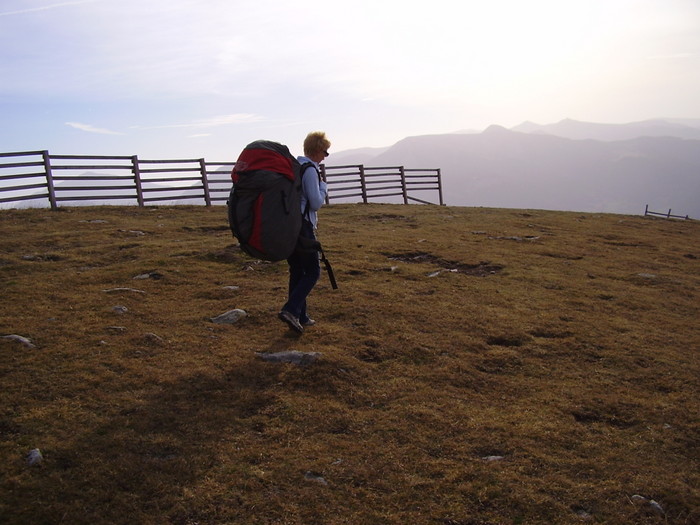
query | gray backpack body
[264, 206]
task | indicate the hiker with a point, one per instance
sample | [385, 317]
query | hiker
[304, 266]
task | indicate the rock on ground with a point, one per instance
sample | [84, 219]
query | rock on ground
[230, 317]
[293, 356]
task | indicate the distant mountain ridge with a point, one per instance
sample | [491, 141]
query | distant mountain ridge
[356, 156]
[577, 130]
[531, 166]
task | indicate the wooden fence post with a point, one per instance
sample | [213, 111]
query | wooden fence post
[363, 183]
[205, 182]
[439, 178]
[49, 179]
[404, 190]
[323, 177]
[137, 180]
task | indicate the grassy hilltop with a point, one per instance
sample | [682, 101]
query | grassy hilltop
[478, 366]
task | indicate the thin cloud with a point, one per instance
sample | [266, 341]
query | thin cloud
[47, 7]
[92, 129]
[220, 120]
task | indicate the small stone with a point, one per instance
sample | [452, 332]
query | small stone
[116, 290]
[34, 457]
[120, 309]
[230, 317]
[647, 275]
[19, 339]
[149, 275]
[152, 338]
[489, 459]
[650, 503]
[656, 508]
[584, 515]
[232, 288]
[310, 476]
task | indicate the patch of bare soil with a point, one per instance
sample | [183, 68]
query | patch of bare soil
[480, 269]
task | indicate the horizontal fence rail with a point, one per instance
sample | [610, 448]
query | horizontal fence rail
[58, 179]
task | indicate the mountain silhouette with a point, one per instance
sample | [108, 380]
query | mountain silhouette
[511, 169]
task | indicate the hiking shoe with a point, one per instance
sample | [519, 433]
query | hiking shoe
[292, 321]
[308, 322]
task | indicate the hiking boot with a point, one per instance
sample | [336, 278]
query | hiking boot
[292, 321]
[308, 322]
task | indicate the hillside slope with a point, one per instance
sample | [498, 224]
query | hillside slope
[477, 366]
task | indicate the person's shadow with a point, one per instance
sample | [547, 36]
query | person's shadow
[149, 450]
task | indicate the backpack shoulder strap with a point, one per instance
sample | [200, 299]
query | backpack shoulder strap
[302, 170]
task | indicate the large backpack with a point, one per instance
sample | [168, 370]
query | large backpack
[264, 206]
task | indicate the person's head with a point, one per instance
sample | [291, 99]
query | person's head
[316, 146]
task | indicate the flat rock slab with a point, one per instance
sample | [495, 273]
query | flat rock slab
[292, 356]
[132, 290]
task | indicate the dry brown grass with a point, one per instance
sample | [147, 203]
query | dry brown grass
[566, 343]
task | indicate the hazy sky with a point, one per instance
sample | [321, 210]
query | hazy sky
[202, 78]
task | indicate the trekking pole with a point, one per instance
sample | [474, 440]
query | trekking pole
[329, 269]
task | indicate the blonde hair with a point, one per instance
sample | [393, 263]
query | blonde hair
[316, 142]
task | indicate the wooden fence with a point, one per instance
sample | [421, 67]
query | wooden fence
[58, 179]
[667, 215]
[376, 182]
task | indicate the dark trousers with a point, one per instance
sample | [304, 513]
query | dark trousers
[304, 271]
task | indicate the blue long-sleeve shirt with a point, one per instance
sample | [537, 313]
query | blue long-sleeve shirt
[313, 190]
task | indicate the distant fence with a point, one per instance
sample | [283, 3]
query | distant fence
[57, 179]
[375, 182]
[667, 215]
